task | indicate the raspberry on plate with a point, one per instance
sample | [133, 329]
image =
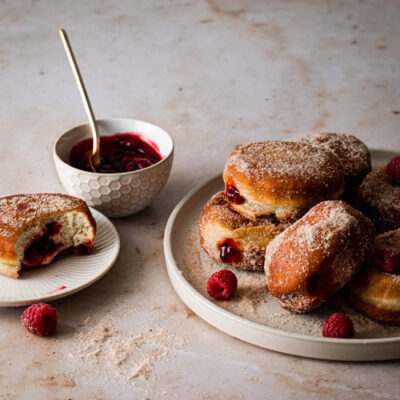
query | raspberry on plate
[393, 170]
[338, 326]
[40, 319]
[222, 285]
[387, 259]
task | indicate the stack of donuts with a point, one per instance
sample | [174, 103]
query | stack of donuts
[300, 211]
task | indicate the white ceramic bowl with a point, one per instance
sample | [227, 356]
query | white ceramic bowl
[117, 194]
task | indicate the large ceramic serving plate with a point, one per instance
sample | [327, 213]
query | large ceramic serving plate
[67, 275]
[178, 229]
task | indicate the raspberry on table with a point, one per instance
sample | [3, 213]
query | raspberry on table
[40, 319]
[338, 326]
[222, 285]
[387, 259]
[393, 170]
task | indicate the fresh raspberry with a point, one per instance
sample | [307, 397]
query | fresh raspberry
[338, 326]
[393, 170]
[40, 319]
[222, 284]
[387, 259]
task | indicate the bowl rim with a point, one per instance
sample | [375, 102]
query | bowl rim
[138, 171]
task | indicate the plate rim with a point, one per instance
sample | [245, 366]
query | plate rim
[177, 278]
[61, 294]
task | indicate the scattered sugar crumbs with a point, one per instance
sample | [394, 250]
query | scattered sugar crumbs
[130, 356]
[252, 300]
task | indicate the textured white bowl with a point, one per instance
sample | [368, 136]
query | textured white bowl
[117, 194]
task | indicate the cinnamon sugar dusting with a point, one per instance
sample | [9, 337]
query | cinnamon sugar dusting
[332, 239]
[285, 160]
[313, 234]
[19, 210]
[253, 302]
[352, 153]
[131, 356]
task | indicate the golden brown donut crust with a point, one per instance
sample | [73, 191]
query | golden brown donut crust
[283, 174]
[377, 293]
[219, 222]
[328, 246]
[379, 199]
[352, 153]
[17, 211]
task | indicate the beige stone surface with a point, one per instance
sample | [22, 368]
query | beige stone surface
[214, 74]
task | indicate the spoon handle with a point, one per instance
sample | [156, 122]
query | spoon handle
[85, 98]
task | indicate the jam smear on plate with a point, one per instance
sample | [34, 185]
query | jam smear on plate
[121, 152]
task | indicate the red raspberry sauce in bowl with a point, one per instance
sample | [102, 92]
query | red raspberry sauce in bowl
[121, 152]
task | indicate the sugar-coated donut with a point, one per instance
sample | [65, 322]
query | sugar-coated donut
[379, 199]
[377, 293]
[35, 228]
[317, 255]
[232, 239]
[283, 179]
[352, 153]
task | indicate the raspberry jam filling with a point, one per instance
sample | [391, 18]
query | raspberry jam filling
[229, 251]
[122, 152]
[43, 248]
[387, 259]
[315, 285]
[233, 195]
[83, 250]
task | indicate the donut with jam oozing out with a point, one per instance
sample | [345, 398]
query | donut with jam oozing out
[35, 227]
[121, 152]
[232, 239]
[281, 178]
[375, 291]
[45, 246]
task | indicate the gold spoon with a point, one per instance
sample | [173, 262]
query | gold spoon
[94, 158]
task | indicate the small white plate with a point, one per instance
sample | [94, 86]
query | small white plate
[67, 275]
[176, 233]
